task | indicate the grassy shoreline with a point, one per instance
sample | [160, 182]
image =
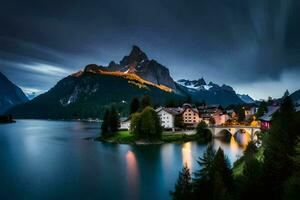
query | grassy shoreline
[125, 137]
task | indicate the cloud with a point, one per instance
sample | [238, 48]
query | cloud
[229, 41]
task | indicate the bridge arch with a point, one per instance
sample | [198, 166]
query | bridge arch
[223, 133]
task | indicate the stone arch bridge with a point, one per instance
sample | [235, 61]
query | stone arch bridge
[217, 130]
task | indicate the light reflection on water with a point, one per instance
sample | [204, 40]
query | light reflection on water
[187, 155]
[132, 175]
[51, 160]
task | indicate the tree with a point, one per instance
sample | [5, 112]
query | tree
[250, 150]
[240, 111]
[114, 121]
[110, 122]
[222, 168]
[292, 185]
[262, 109]
[286, 93]
[203, 132]
[183, 187]
[178, 121]
[249, 183]
[146, 101]
[214, 180]
[105, 123]
[202, 182]
[146, 125]
[280, 146]
[135, 105]
[212, 121]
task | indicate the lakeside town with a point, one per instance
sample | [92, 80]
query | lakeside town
[150, 100]
[188, 116]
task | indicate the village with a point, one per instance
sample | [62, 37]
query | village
[188, 116]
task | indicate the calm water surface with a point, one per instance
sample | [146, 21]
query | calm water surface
[51, 160]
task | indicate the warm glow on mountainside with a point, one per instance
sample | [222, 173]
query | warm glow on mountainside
[128, 76]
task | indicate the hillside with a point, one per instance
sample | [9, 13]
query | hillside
[85, 95]
[10, 94]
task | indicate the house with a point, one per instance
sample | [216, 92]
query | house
[232, 114]
[125, 124]
[167, 116]
[190, 115]
[250, 110]
[266, 118]
[213, 111]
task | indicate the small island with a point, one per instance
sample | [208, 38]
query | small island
[146, 128]
[4, 119]
[126, 137]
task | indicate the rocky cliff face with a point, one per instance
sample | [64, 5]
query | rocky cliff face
[137, 62]
[10, 94]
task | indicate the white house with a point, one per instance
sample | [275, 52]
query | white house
[167, 116]
[125, 124]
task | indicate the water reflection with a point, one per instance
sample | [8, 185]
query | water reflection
[50, 160]
[242, 139]
[133, 176]
[187, 155]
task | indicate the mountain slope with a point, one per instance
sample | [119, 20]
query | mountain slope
[246, 98]
[210, 93]
[296, 96]
[10, 94]
[86, 94]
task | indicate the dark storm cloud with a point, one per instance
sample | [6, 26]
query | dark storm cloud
[229, 41]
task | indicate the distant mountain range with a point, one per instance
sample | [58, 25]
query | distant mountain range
[246, 98]
[296, 96]
[86, 93]
[10, 94]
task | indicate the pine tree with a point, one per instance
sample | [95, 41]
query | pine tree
[114, 121]
[292, 185]
[105, 123]
[135, 105]
[214, 180]
[183, 187]
[202, 184]
[249, 183]
[146, 101]
[250, 150]
[262, 109]
[222, 167]
[280, 146]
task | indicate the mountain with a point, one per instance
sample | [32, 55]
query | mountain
[88, 92]
[211, 93]
[10, 94]
[246, 98]
[296, 96]
[137, 62]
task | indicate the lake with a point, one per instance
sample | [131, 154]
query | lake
[42, 159]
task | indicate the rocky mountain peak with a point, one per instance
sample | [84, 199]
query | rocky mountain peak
[136, 56]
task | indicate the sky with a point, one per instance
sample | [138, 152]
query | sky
[251, 45]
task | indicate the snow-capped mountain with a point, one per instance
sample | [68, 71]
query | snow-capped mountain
[211, 93]
[246, 98]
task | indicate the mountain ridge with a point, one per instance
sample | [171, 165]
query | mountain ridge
[88, 92]
[10, 94]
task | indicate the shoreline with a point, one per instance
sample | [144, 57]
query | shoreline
[125, 137]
